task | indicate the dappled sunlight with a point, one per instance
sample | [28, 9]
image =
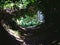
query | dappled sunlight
[12, 32]
[15, 34]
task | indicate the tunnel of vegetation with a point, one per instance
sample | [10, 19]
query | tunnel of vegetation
[40, 15]
[26, 13]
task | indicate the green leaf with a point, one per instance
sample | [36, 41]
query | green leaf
[32, 1]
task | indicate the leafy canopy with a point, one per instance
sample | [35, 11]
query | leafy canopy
[11, 4]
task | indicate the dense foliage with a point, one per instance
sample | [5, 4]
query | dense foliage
[30, 13]
[28, 21]
[11, 4]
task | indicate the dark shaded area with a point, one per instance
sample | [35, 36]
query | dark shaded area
[6, 38]
[50, 30]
